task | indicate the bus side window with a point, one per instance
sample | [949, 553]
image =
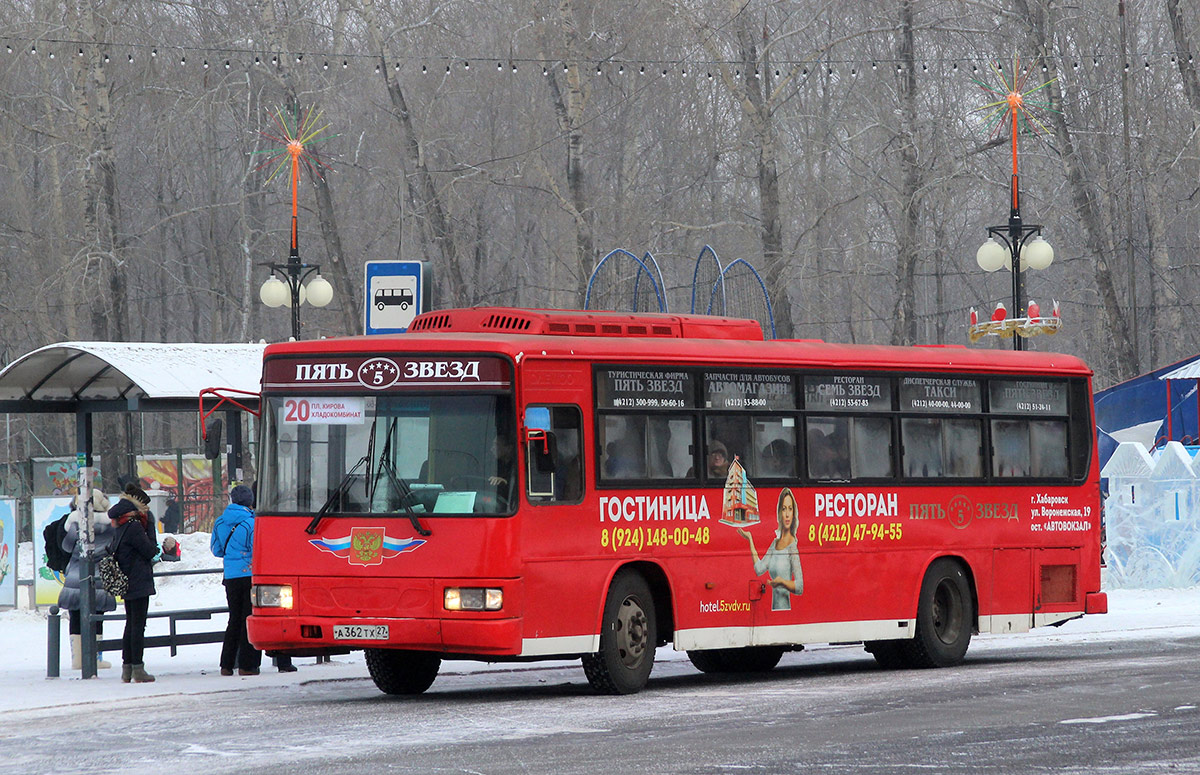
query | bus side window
[1010, 448]
[727, 438]
[623, 447]
[921, 441]
[669, 447]
[963, 442]
[775, 440]
[871, 445]
[828, 451]
[1048, 448]
[565, 480]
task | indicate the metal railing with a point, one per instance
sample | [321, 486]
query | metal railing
[172, 640]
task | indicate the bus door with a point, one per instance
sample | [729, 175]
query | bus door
[555, 540]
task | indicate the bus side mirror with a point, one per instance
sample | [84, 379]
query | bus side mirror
[212, 439]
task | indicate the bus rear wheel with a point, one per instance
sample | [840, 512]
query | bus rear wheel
[751, 659]
[402, 672]
[628, 637]
[945, 617]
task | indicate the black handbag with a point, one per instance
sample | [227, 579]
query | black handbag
[112, 578]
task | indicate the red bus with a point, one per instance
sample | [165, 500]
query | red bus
[509, 484]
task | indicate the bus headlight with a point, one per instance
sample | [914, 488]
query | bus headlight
[473, 599]
[271, 595]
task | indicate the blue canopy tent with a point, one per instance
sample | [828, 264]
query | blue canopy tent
[1153, 408]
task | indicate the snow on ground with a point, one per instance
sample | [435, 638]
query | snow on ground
[1133, 614]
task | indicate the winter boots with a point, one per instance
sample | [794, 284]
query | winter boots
[135, 673]
[77, 655]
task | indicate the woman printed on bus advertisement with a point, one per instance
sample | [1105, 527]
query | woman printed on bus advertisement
[781, 561]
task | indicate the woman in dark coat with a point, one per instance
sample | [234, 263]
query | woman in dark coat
[71, 596]
[134, 544]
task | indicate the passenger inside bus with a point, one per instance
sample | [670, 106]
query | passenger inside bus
[622, 459]
[718, 460]
[820, 455]
[778, 459]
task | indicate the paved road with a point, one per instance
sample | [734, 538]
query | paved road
[1116, 707]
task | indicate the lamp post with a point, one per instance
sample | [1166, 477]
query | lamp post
[290, 291]
[1023, 246]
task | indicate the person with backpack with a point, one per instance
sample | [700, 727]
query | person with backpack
[233, 540]
[70, 598]
[134, 546]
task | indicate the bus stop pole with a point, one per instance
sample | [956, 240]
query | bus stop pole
[87, 572]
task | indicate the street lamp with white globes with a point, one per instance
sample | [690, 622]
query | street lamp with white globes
[290, 291]
[1018, 247]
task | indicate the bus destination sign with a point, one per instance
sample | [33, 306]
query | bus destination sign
[387, 373]
[632, 388]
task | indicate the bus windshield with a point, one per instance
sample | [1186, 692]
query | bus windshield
[388, 455]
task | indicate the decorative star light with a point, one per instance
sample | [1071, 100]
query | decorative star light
[294, 133]
[1013, 105]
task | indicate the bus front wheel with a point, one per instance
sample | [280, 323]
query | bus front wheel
[402, 672]
[945, 617]
[628, 637]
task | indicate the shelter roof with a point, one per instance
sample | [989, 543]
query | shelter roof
[1189, 370]
[126, 376]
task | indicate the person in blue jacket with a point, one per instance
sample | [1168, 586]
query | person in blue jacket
[233, 540]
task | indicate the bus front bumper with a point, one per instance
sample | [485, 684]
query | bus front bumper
[500, 637]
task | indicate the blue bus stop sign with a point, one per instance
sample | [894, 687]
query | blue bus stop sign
[396, 292]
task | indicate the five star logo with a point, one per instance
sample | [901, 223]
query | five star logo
[378, 373]
[959, 512]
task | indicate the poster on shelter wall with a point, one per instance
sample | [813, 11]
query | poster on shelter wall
[60, 475]
[46, 583]
[8, 552]
[160, 472]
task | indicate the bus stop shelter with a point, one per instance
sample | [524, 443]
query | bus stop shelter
[86, 378]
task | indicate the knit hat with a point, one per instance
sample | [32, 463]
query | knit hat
[242, 496]
[138, 496]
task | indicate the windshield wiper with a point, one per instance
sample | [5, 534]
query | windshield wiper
[406, 496]
[386, 465]
[336, 496]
